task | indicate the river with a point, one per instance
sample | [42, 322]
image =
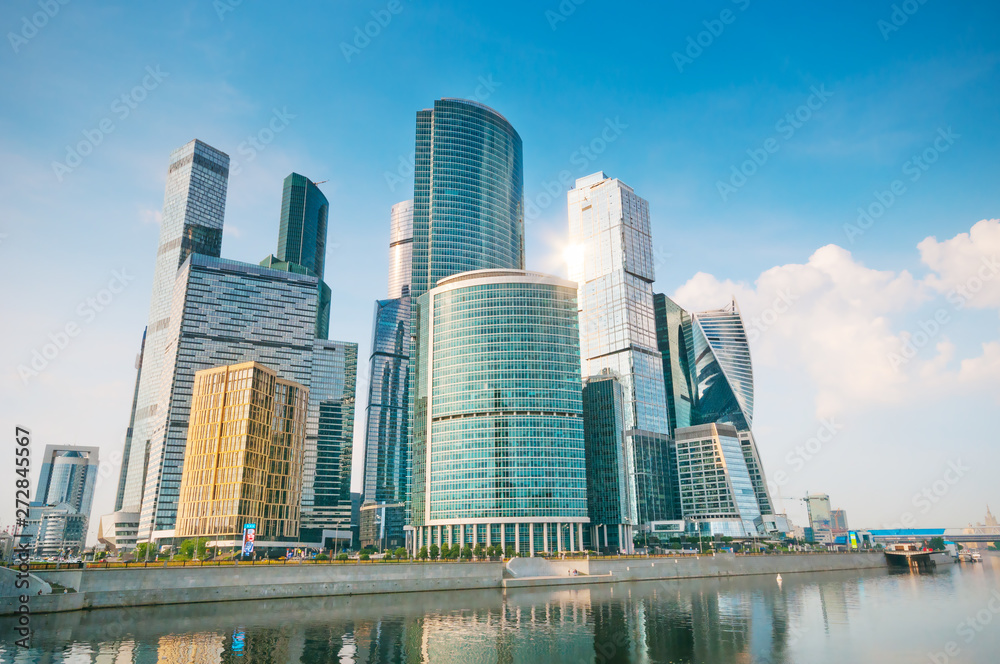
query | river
[950, 615]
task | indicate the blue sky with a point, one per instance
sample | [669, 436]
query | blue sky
[688, 92]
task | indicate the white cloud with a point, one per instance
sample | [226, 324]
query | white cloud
[831, 324]
[967, 266]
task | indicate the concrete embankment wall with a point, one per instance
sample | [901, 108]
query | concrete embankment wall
[99, 588]
[539, 572]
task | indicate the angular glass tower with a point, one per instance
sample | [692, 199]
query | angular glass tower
[498, 453]
[302, 234]
[709, 377]
[468, 193]
[611, 258]
[193, 211]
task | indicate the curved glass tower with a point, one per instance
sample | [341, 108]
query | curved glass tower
[302, 234]
[468, 193]
[498, 454]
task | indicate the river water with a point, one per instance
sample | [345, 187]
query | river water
[950, 615]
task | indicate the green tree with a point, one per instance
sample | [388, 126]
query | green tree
[422, 553]
[936, 544]
[342, 556]
[996, 545]
[466, 552]
[480, 551]
[510, 551]
[434, 552]
[456, 551]
[400, 553]
[142, 551]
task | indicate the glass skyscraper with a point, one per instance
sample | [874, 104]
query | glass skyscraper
[60, 513]
[302, 233]
[709, 377]
[193, 211]
[716, 492]
[611, 258]
[498, 447]
[386, 463]
[400, 249]
[610, 466]
[468, 193]
[468, 205]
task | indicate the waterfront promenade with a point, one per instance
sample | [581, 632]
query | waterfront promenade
[161, 584]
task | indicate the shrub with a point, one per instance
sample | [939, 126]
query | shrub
[322, 557]
[342, 556]
[400, 553]
[364, 555]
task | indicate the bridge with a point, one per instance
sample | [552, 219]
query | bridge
[966, 535]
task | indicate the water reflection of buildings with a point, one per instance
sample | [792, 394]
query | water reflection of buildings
[733, 620]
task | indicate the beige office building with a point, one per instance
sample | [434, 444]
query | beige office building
[244, 456]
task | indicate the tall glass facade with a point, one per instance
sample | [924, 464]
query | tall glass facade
[709, 377]
[400, 249]
[59, 515]
[302, 234]
[498, 454]
[716, 492]
[610, 465]
[722, 369]
[611, 258]
[193, 211]
[468, 193]
[386, 450]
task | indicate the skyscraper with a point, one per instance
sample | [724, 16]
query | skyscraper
[243, 461]
[611, 258]
[610, 466]
[716, 493]
[302, 233]
[193, 211]
[498, 449]
[386, 463]
[400, 249]
[820, 517]
[468, 193]
[59, 515]
[709, 378]
[468, 203]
